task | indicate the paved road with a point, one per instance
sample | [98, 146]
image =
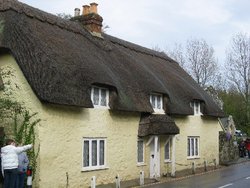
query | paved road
[237, 176]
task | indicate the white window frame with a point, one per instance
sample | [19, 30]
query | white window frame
[98, 166]
[143, 152]
[193, 147]
[168, 141]
[197, 108]
[157, 110]
[99, 102]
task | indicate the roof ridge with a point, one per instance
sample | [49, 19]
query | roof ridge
[75, 27]
[139, 48]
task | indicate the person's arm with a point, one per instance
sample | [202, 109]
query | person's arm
[23, 148]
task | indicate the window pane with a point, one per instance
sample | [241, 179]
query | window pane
[196, 146]
[196, 107]
[192, 146]
[167, 151]
[86, 153]
[96, 96]
[140, 151]
[153, 101]
[101, 149]
[158, 102]
[188, 147]
[103, 97]
[94, 153]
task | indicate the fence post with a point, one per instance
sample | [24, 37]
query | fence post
[215, 163]
[93, 182]
[193, 167]
[205, 165]
[141, 177]
[117, 182]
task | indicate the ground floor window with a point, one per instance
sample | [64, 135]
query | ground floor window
[93, 153]
[193, 147]
[140, 151]
[167, 150]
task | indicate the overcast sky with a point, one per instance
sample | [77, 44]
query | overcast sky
[162, 23]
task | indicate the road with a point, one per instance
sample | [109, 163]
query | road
[236, 176]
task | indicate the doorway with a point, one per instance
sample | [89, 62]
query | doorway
[154, 157]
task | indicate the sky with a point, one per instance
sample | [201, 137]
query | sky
[162, 23]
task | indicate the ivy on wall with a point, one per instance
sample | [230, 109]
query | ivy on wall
[19, 123]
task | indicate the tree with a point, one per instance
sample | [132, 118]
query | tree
[178, 55]
[64, 16]
[238, 67]
[198, 60]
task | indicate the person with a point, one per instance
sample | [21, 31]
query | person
[242, 149]
[248, 147]
[9, 155]
[23, 163]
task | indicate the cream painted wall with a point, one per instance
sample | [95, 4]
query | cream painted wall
[208, 131]
[62, 129]
[61, 132]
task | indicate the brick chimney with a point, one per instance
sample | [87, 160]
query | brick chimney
[90, 19]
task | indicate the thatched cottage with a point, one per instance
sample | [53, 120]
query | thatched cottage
[107, 106]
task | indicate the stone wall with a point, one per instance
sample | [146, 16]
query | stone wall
[228, 150]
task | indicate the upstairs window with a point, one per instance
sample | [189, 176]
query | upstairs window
[196, 105]
[156, 101]
[100, 96]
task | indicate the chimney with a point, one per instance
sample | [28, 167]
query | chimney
[85, 9]
[93, 8]
[77, 12]
[90, 19]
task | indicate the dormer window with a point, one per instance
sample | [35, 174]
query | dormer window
[196, 105]
[156, 101]
[100, 96]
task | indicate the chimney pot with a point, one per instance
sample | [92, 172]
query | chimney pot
[85, 9]
[77, 12]
[93, 8]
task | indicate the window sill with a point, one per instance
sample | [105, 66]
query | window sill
[167, 161]
[88, 169]
[158, 111]
[141, 164]
[195, 157]
[102, 107]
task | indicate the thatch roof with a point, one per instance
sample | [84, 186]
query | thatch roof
[156, 124]
[61, 61]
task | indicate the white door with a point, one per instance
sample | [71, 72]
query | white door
[155, 158]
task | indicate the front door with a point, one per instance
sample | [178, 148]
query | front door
[155, 158]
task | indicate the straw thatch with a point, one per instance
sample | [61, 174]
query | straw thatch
[157, 125]
[61, 61]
